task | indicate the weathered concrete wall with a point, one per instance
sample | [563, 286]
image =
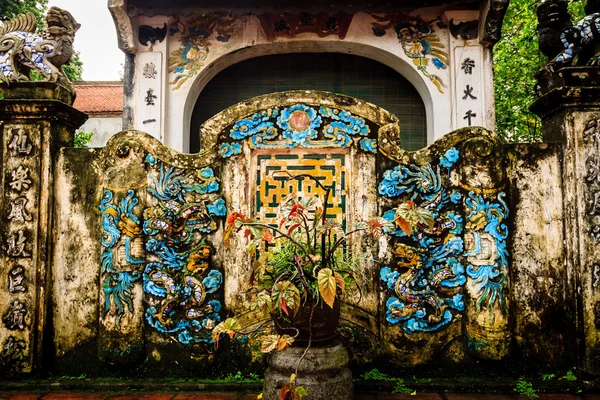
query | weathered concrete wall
[139, 276]
[75, 267]
[544, 300]
[570, 113]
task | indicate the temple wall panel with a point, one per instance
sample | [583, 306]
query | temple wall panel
[197, 47]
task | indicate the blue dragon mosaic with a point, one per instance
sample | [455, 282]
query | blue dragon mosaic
[180, 280]
[299, 126]
[426, 284]
[176, 271]
[120, 226]
[487, 249]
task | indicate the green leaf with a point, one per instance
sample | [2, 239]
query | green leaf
[229, 327]
[408, 216]
[327, 286]
[286, 296]
[272, 342]
[262, 302]
[269, 343]
[301, 392]
[360, 225]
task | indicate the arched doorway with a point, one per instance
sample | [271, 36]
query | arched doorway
[346, 74]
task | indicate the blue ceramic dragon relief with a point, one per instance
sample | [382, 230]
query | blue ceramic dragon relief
[430, 276]
[181, 285]
[485, 247]
[299, 126]
[120, 226]
[427, 283]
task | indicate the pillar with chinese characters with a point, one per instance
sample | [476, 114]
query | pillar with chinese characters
[35, 119]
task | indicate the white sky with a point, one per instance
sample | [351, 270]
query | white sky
[96, 40]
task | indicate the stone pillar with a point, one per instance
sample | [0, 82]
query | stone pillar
[323, 372]
[570, 112]
[35, 118]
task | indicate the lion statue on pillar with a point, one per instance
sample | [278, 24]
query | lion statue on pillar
[567, 44]
[23, 51]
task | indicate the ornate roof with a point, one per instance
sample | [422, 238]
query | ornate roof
[492, 11]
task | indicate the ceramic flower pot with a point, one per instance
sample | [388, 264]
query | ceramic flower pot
[324, 324]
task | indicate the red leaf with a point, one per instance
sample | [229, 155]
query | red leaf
[293, 228]
[286, 392]
[252, 277]
[404, 225]
[284, 306]
[294, 212]
[340, 282]
[234, 216]
[267, 235]
[247, 233]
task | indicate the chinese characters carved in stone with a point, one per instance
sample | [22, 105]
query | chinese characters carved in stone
[18, 211]
[14, 317]
[150, 71]
[20, 179]
[19, 143]
[16, 280]
[467, 66]
[16, 245]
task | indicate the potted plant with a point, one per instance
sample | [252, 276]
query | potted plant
[301, 269]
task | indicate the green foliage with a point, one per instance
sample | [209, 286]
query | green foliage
[239, 376]
[569, 376]
[525, 388]
[375, 375]
[516, 60]
[548, 377]
[72, 378]
[83, 139]
[12, 8]
[74, 69]
[401, 388]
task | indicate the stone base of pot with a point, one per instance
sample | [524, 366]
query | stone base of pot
[324, 372]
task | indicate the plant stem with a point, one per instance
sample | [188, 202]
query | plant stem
[307, 231]
[340, 241]
[323, 221]
[309, 338]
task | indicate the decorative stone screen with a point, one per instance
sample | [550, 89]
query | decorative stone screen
[150, 277]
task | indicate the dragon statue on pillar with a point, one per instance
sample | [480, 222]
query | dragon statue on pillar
[567, 44]
[22, 50]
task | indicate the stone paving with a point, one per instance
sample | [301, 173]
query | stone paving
[238, 396]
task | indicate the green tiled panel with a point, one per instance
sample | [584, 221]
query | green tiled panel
[351, 75]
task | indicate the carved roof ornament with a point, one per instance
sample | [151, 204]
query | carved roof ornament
[289, 25]
[23, 51]
[148, 35]
[118, 9]
[491, 21]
